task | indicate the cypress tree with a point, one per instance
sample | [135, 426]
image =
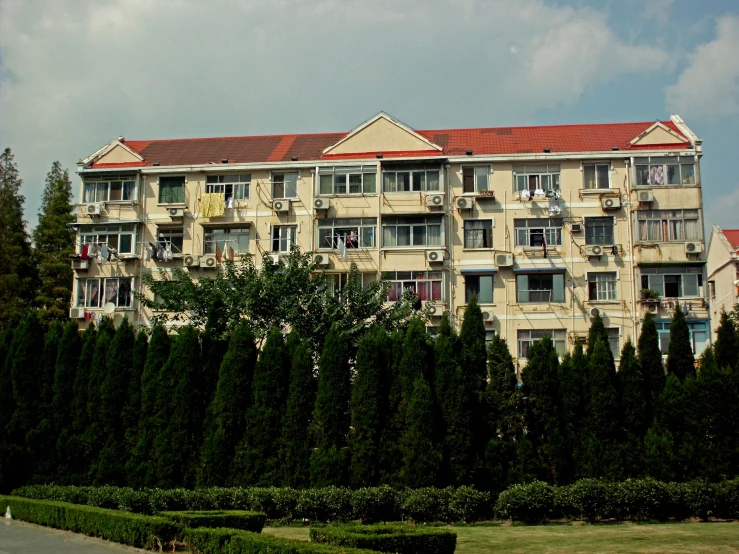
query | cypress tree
[421, 455]
[225, 424]
[215, 345]
[331, 419]
[597, 330]
[7, 404]
[111, 461]
[663, 442]
[140, 468]
[634, 411]
[473, 349]
[177, 447]
[75, 447]
[257, 460]
[132, 406]
[727, 343]
[390, 456]
[53, 241]
[680, 360]
[650, 361]
[368, 408]
[95, 433]
[62, 404]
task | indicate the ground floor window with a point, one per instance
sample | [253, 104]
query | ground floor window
[699, 338]
[527, 337]
[95, 293]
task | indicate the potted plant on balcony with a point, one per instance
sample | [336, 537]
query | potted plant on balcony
[649, 296]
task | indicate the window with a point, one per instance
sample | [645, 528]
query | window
[596, 176]
[673, 281]
[533, 232]
[95, 293]
[358, 232]
[231, 186]
[425, 284]
[122, 238]
[712, 289]
[698, 335]
[665, 170]
[285, 185]
[669, 225]
[109, 188]
[475, 179]
[528, 337]
[538, 288]
[348, 180]
[599, 230]
[283, 238]
[225, 237]
[412, 231]
[337, 281]
[478, 233]
[416, 178]
[173, 237]
[489, 336]
[171, 190]
[602, 286]
[533, 177]
[480, 285]
[614, 341]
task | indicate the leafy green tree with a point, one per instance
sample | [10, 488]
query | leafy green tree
[53, 240]
[634, 411]
[225, 423]
[331, 419]
[18, 272]
[177, 447]
[421, 455]
[141, 468]
[7, 404]
[727, 343]
[680, 360]
[369, 399]
[650, 361]
[132, 407]
[65, 373]
[75, 447]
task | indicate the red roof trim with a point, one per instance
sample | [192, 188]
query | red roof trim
[116, 165]
[385, 154]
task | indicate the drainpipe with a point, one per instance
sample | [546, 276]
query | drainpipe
[448, 231]
[632, 252]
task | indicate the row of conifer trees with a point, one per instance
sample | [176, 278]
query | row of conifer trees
[112, 406]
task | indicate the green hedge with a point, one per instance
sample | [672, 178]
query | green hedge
[123, 527]
[233, 541]
[398, 538]
[232, 519]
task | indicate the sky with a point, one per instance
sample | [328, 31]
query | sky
[75, 74]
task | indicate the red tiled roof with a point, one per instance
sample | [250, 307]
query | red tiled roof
[732, 235]
[455, 142]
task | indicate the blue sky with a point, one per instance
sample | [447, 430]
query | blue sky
[75, 74]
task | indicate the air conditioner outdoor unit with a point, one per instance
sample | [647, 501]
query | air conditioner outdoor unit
[80, 264]
[434, 256]
[645, 196]
[281, 205]
[76, 313]
[94, 209]
[435, 200]
[432, 308]
[274, 258]
[595, 250]
[576, 228]
[693, 247]
[610, 203]
[504, 259]
[487, 316]
[464, 203]
[320, 204]
[321, 260]
[191, 261]
[651, 307]
[594, 312]
[209, 260]
[176, 213]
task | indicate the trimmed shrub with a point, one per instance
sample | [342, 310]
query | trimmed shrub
[232, 519]
[468, 504]
[374, 504]
[530, 503]
[699, 499]
[426, 505]
[727, 499]
[126, 528]
[643, 499]
[326, 504]
[590, 499]
[398, 538]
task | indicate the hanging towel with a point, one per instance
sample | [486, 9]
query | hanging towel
[219, 254]
[230, 203]
[230, 253]
[342, 249]
[83, 253]
[205, 205]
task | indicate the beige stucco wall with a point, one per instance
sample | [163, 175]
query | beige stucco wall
[116, 155]
[722, 267]
[658, 136]
[381, 136]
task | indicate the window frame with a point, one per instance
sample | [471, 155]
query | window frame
[477, 172]
[274, 182]
[400, 281]
[169, 186]
[243, 185]
[553, 234]
[417, 222]
[473, 286]
[650, 276]
[646, 169]
[590, 230]
[529, 172]
[95, 233]
[488, 244]
[81, 285]
[558, 336]
[557, 278]
[365, 227]
[601, 288]
[663, 328]
[596, 179]
[391, 185]
[169, 232]
[104, 183]
[347, 171]
[277, 238]
[667, 224]
[218, 232]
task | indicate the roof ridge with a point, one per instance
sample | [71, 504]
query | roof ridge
[281, 135]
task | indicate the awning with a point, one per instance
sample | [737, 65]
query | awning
[532, 269]
[483, 271]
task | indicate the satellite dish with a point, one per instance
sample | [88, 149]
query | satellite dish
[109, 308]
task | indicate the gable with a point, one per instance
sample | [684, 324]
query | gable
[117, 154]
[658, 134]
[381, 135]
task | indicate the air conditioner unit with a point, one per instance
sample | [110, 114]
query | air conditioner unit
[434, 256]
[594, 312]
[693, 247]
[432, 308]
[576, 228]
[281, 205]
[651, 307]
[321, 260]
[435, 200]
[209, 260]
[76, 313]
[595, 250]
[80, 264]
[610, 203]
[94, 209]
[504, 259]
[464, 203]
[191, 261]
[487, 316]
[176, 213]
[274, 258]
[320, 204]
[645, 196]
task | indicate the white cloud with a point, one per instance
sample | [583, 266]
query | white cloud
[709, 86]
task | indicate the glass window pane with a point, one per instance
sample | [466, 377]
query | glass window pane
[389, 236]
[355, 184]
[432, 181]
[370, 183]
[339, 184]
[291, 185]
[690, 285]
[125, 244]
[404, 181]
[468, 179]
[673, 174]
[603, 181]
[419, 235]
[80, 293]
[124, 293]
[111, 291]
[486, 289]
[368, 237]
[116, 190]
[687, 172]
[389, 183]
[558, 287]
[589, 176]
[419, 180]
[434, 235]
[326, 184]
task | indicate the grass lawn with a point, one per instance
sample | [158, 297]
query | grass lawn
[571, 538]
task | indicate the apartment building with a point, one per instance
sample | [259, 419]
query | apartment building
[546, 225]
[722, 263]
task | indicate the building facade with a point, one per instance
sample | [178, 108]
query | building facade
[722, 265]
[546, 225]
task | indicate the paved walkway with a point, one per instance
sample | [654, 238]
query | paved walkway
[18, 537]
